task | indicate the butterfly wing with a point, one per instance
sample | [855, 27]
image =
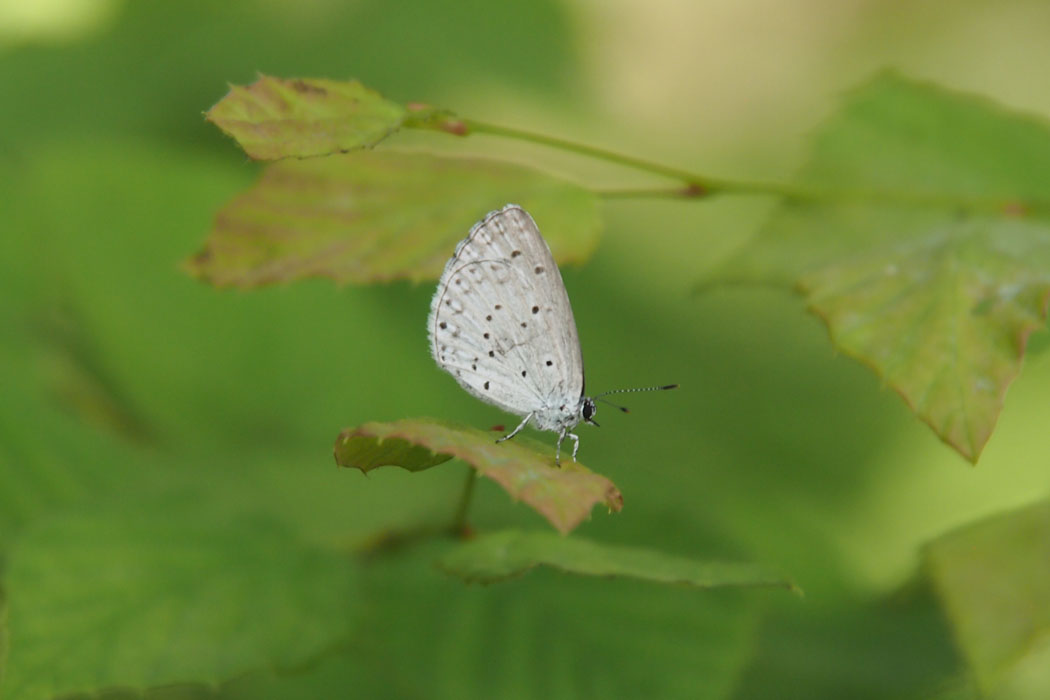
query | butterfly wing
[500, 321]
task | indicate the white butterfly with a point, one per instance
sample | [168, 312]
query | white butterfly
[501, 324]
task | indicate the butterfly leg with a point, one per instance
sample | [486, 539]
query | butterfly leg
[557, 450]
[517, 430]
[576, 445]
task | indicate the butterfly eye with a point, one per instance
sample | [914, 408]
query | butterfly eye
[589, 409]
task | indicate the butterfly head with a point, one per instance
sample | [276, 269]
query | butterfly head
[588, 411]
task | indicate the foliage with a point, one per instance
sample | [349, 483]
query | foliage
[501, 555]
[345, 217]
[931, 264]
[994, 580]
[275, 118]
[194, 596]
[171, 525]
[563, 495]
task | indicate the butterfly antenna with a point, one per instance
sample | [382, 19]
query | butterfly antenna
[610, 403]
[631, 391]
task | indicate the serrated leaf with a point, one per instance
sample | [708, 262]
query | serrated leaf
[501, 555]
[366, 452]
[993, 579]
[381, 216]
[277, 118]
[563, 495]
[160, 593]
[932, 263]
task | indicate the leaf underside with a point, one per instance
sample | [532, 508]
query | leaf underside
[938, 294]
[507, 554]
[993, 578]
[380, 216]
[563, 495]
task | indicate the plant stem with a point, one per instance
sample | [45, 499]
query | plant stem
[702, 181]
[696, 185]
[459, 523]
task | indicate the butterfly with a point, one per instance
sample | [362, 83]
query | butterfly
[501, 323]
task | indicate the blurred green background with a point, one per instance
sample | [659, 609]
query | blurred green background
[123, 376]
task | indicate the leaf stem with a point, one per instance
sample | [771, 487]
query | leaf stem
[701, 181]
[459, 522]
[696, 185]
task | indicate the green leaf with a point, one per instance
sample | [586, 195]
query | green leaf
[276, 118]
[501, 555]
[552, 636]
[163, 592]
[931, 262]
[993, 578]
[894, 646]
[74, 463]
[3, 636]
[366, 452]
[563, 495]
[381, 216]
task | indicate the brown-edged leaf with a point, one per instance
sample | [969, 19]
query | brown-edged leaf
[380, 216]
[563, 495]
[929, 258]
[276, 117]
